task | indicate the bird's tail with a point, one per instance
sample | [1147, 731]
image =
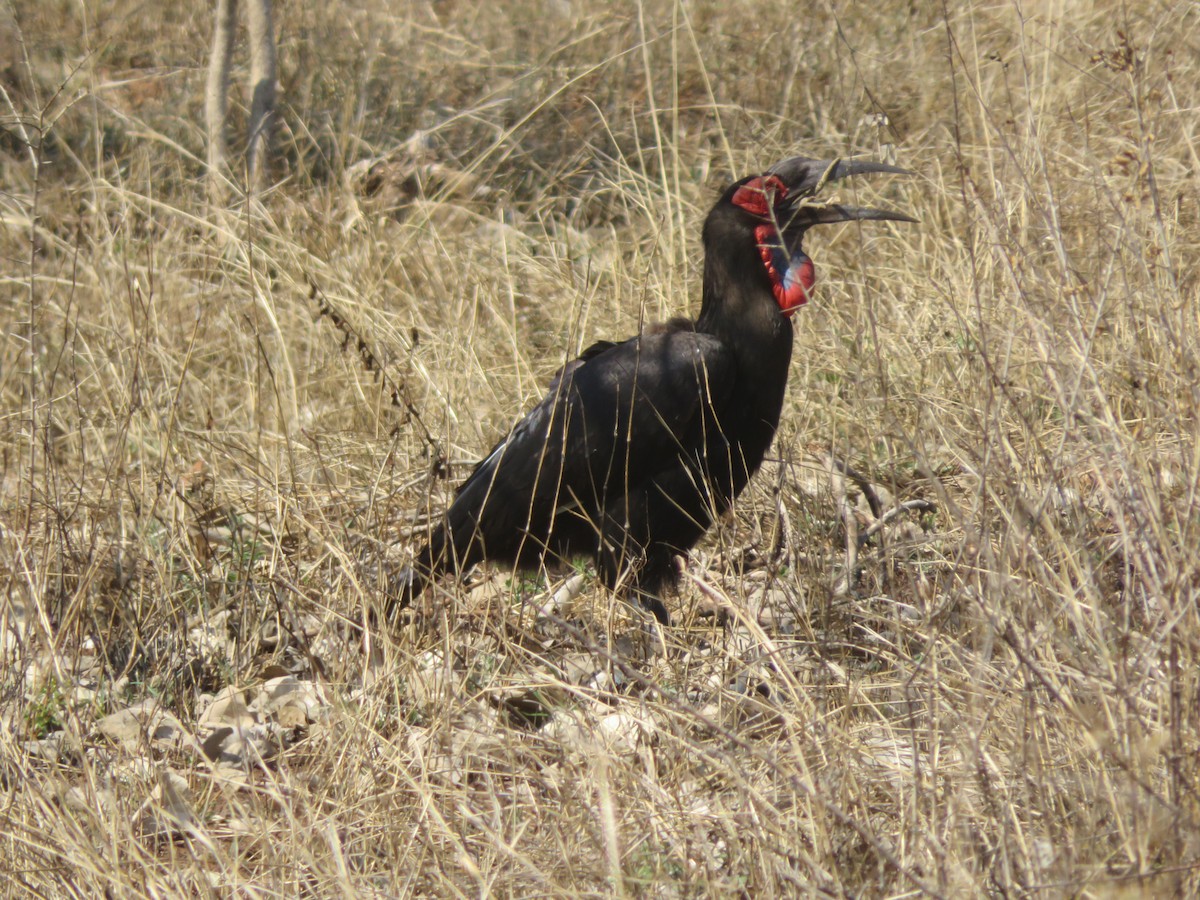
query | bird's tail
[438, 557]
[402, 587]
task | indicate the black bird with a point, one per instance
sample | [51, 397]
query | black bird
[639, 445]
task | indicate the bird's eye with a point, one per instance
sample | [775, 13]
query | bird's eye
[774, 188]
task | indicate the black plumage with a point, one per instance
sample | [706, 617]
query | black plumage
[639, 445]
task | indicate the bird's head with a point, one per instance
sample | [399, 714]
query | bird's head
[781, 204]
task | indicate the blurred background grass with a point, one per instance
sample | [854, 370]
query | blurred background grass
[1005, 701]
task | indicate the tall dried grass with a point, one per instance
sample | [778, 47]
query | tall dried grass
[996, 697]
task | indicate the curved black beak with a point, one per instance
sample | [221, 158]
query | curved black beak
[806, 177]
[825, 213]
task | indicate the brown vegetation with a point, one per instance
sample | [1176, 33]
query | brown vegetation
[200, 482]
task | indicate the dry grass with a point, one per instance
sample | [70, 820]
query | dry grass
[997, 697]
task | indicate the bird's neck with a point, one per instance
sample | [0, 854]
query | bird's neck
[739, 307]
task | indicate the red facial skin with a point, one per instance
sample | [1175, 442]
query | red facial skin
[758, 195]
[792, 275]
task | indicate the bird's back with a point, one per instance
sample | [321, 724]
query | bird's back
[613, 421]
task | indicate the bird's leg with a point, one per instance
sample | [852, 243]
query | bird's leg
[621, 571]
[653, 604]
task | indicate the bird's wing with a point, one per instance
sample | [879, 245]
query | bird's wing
[613, 418]
[590, 352]
[535, 420]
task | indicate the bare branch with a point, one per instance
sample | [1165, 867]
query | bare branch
[216, 95]
[262, 82]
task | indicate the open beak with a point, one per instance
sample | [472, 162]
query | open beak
[806, 177]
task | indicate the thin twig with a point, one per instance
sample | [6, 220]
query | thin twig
[398, 393]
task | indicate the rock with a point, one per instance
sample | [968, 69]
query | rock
[228, 709]
[145, 721]
[299, 701]
[168, 810]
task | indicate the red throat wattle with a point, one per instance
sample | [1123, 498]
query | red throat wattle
[792, 274]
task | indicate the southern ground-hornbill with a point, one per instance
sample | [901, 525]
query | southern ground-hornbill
[639, 445]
